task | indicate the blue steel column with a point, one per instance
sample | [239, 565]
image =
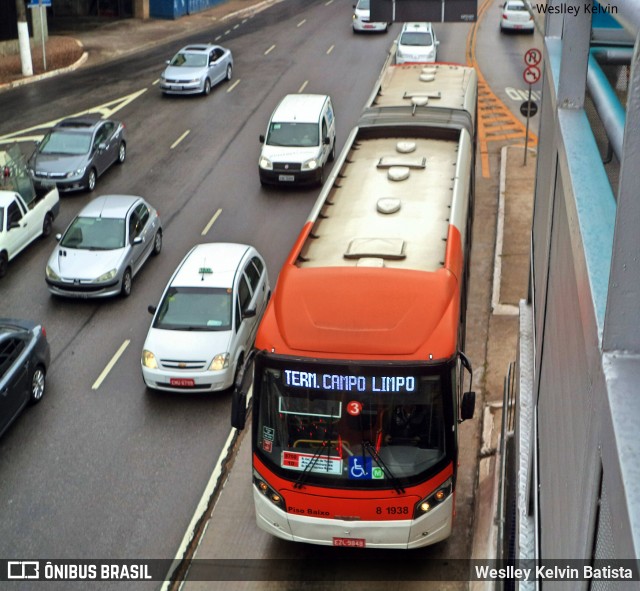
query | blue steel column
[622, 317]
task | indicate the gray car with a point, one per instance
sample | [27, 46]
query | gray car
[196, 68]
[104, 247]
[76, 152]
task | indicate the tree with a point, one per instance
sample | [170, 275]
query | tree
[23, 39]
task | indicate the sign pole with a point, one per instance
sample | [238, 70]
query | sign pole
[42, 16]
[526, 135]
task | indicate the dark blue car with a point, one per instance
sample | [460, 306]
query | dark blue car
[24, 360]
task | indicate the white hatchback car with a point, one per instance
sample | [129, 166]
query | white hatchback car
[361, 22]
[417, 43]
[516, 16]
[207, 319]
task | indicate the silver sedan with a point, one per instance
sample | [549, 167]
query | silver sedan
[196, 68]
[104, 247]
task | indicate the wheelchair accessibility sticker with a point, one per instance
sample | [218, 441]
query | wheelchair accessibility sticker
[361, 468]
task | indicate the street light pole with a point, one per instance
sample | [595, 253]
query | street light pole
[23, 39]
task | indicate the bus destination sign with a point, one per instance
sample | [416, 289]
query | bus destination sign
[349, 383]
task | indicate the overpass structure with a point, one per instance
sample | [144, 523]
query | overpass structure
[572, 439]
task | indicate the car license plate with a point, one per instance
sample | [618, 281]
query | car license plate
[289, 178]
[350, 542]
[182, 382]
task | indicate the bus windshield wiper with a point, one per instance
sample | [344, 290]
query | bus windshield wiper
[374, 454]
[326, 444]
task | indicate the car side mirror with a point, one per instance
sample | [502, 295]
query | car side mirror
[58, 236]
[326, 141]
[168, 62]
[13, 225]
[102, 146]
[437, 42]
[467, 406]
[261, 138]
[151, 309]
[137, 240]
[249, 313]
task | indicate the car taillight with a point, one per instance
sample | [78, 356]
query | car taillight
[44, 332]
[505, 17]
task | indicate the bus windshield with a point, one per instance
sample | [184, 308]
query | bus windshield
[342, 425]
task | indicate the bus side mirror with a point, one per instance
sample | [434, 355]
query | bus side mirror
[261, 138]
[238, 409]
[467, 406]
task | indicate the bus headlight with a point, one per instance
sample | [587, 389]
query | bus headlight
[267, 491]
[433, 500]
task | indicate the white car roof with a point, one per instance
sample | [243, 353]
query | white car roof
[210, 265]
[417, 27]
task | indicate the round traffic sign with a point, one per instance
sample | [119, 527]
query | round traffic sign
[528, 108]
[533, 57]
[531, 74]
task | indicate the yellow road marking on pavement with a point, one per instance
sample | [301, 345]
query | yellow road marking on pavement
[270, 50]
[211, 222]
[330, 49]
[233, 85]
[495, 121]
[106, 370]
[184, 135]
[302, 22]
[106, 110]
[304, 85]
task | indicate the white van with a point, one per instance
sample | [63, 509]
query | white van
[300, 140]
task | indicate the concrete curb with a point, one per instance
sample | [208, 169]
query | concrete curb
[83, 58]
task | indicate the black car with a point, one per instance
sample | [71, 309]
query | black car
[24, 360]
[77, 151]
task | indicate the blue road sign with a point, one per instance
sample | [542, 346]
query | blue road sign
[36, 3]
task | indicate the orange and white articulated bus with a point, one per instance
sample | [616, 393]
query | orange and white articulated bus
[359, 364]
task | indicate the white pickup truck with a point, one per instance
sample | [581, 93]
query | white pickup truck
[24, 215]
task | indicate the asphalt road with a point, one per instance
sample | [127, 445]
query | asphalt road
[117, 471]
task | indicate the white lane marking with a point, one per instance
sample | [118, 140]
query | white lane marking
[155, 81]
[114, 360]
[211, 222]
[205, 498]
[184, 135]
[518, 94]
[236, 26]
[106, 110]
[330, 49]
[227, 31]
[270, 50]
[327, 3]
[302, 22]
[304, 85]
[218, 38]
[233, 85]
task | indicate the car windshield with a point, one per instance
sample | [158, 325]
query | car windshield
[416, 39]
[363, 5]
[70, 143]
[516, 7]
[295, 135]
[195, 308]
[100, 233]
[189, 60]
[343, 426]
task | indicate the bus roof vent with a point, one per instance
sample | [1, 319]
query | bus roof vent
[419, 101]
[398, 173]
[375, 262]
[427, 77]
[408, 161]
[388, 205]
[405, 147]
[382, 248]
[432, 94]
[431, 70]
